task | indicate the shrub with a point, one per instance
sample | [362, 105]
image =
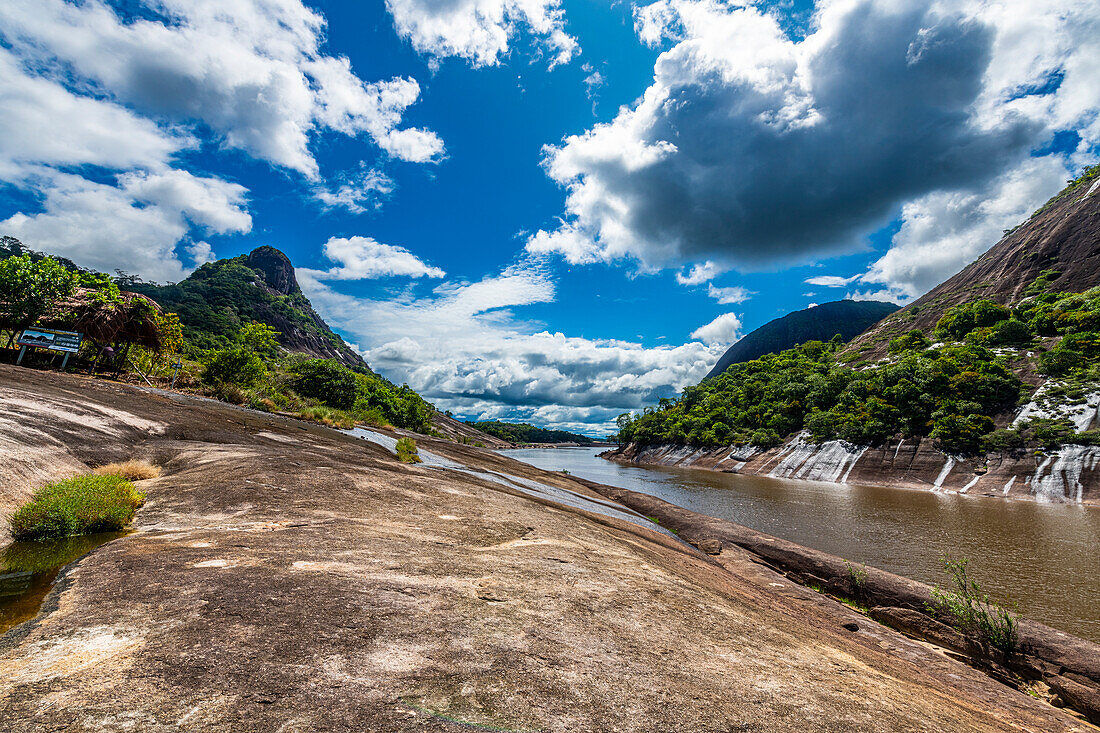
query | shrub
[327, 381]
[259, 337]
[238, 366]
[229, 392]
[857, 581]
[765, 439]
[328, 416]
[960, 320]
[1051, 432]
[959, 434]
[81, 505]
[1005, 440]
[1060, 361]
[131, 470]
[915, 340]
[971, 610]
[29, 288]
[406, 451]
[1010, 333]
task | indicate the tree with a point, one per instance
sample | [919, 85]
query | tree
[29, 289]
[260, 337]
[234, 366]
[326, 380]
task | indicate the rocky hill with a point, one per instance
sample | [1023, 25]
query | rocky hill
[1060, 243]
[849, 318]
[216, 299]
[989, 384]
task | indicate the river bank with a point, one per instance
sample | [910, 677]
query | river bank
[284, 576]
[1045, 557]
[1070, 474]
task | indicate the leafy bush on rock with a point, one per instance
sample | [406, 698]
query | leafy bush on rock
[238, 366]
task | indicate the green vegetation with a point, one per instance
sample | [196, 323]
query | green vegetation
[406, 450]
[29, 288]
[957, 322]
[857, 579]
[949, 393]
[320, 390]
[326, 381]
[971, 610]
[222, 337]
[239, 366]
[81, 505]
[526, 433]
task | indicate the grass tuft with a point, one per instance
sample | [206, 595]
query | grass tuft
[406, 451]
[81, 505]
[132, 470]
[328, 416]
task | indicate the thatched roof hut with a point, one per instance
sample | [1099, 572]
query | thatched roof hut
[131, 319]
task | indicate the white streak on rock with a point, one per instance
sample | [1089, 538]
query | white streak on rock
[1082, 415]
[818, 462]
[943, 474]
[1059, 477]
[966, 488]
[1009, 484]
[742, 453]
[1092, 188]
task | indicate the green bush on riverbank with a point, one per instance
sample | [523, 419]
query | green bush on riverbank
[75, 506]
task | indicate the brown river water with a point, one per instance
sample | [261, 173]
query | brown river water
[1045, 557]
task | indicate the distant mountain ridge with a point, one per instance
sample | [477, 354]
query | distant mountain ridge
[527, 433]
[849, 318]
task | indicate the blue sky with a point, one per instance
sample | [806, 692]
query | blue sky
[542, 210]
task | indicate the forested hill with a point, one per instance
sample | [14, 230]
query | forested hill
[526, 433]
[957, 366]
[220, 297]
[849, 318]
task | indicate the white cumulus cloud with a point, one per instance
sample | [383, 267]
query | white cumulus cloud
[105, 227]
[251, 70]
[480, 31]
[362, 258]
[725, 329]
[751, 149]
[466, 347]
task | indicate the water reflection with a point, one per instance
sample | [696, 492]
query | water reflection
[28, 569]
[1045, 556]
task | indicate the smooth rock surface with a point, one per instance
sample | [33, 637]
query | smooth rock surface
[287, 577]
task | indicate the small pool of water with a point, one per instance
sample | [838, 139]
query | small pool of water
[28, 570]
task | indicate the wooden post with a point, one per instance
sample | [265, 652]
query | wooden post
[22, 350]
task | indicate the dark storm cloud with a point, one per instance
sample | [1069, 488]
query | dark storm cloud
[799, 164]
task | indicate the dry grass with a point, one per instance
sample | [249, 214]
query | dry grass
[131, 470]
